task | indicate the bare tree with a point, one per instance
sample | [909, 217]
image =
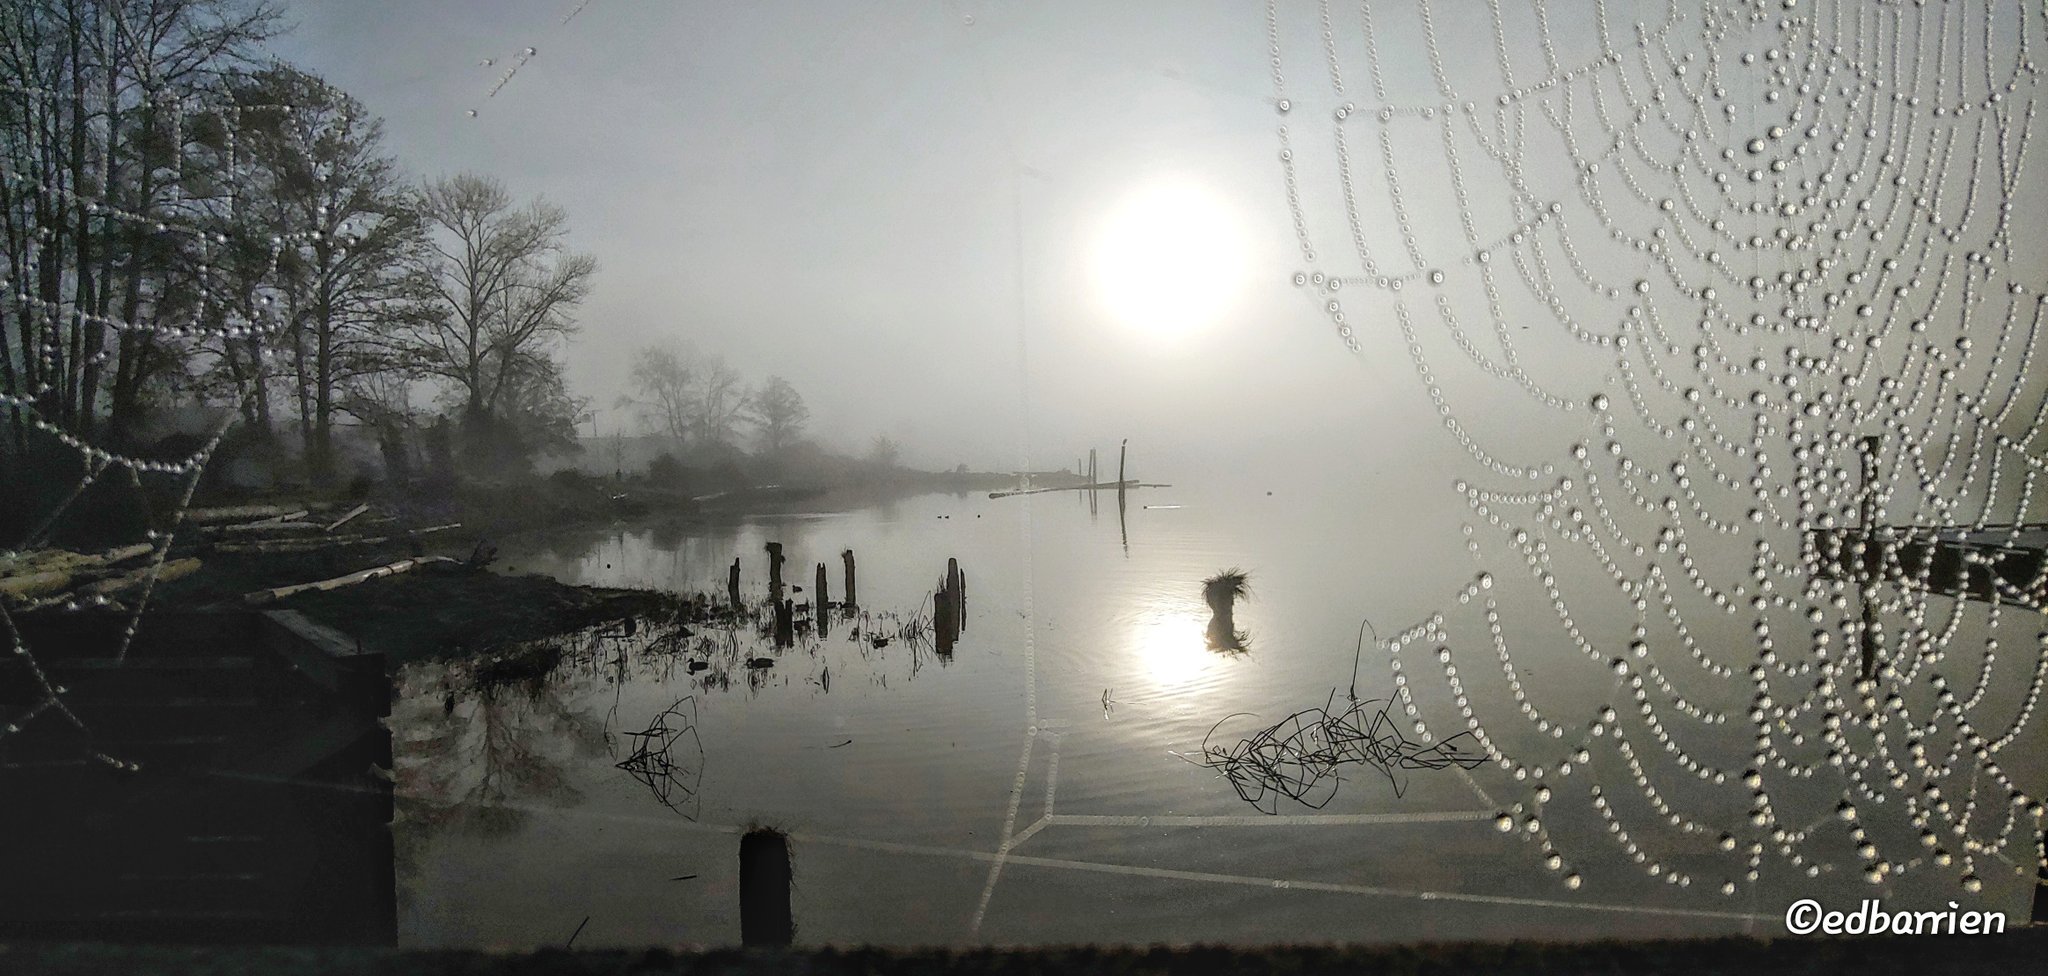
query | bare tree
[662, 390]
[355, 274]
[720, 402]
[884, 453]
[778, 411]
[94, 127]
[504, 286]
[696, 399]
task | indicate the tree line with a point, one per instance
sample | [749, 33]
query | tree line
[700, 401]
[186, 221]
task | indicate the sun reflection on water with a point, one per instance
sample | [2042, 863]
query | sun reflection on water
[1167, 643]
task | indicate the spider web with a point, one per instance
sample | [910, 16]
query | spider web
[225, 310]
[1660, 271]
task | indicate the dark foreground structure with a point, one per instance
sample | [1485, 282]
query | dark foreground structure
[224, 781]
[2017, 952]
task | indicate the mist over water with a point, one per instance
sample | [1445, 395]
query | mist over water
[1626, 419]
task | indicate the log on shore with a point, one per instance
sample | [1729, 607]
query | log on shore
[319, 542]
[264, 527]
[244, 513]
[40, 573]
[260, 597]
[352, 513]
[170, 570]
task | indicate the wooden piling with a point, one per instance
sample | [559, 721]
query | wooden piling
[785, 623]
[953, 593]
[943, 619]
[765, 879]
[1092, 479]
[960, 599]
[821, 597]
[1120, 483]
[775, 571]
[732, 584]
[851, 600]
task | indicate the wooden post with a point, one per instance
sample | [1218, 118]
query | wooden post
[851, 600]
[1872, 564]
[1120, 452]
[821, 598]
[943, 618]
[785, 623]
[732, 583]
[953, 594]
[765, 879]
[775, 571]
[1092, 479]
[960, 594]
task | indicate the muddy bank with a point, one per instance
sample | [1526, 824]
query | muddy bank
[434, 611]
[460, 601]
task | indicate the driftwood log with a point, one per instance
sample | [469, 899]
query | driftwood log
[323, 541]
[352, 513]
[260, 597]
[43, 572]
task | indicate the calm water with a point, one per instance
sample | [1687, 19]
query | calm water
[1038, 788]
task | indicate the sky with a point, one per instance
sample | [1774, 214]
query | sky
[899, 207]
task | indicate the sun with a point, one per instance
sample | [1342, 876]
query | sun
[1169, 259]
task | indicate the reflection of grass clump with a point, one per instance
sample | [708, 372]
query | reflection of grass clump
[1221, 593]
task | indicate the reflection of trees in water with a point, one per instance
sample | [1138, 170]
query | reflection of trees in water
[475, 756]
[479, 743]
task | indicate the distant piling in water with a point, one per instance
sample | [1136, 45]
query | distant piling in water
[732, 584]
[1121, 485]
[765, 879]
[821, 598]
[956, 586]
[949, 607]
[851, 600]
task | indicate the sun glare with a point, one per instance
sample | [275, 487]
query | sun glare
[1169, 647]
[1169, 259]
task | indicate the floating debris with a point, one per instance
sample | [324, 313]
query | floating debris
[670, 757]
[1299, 756]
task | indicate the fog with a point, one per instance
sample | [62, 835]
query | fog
[893, 206]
